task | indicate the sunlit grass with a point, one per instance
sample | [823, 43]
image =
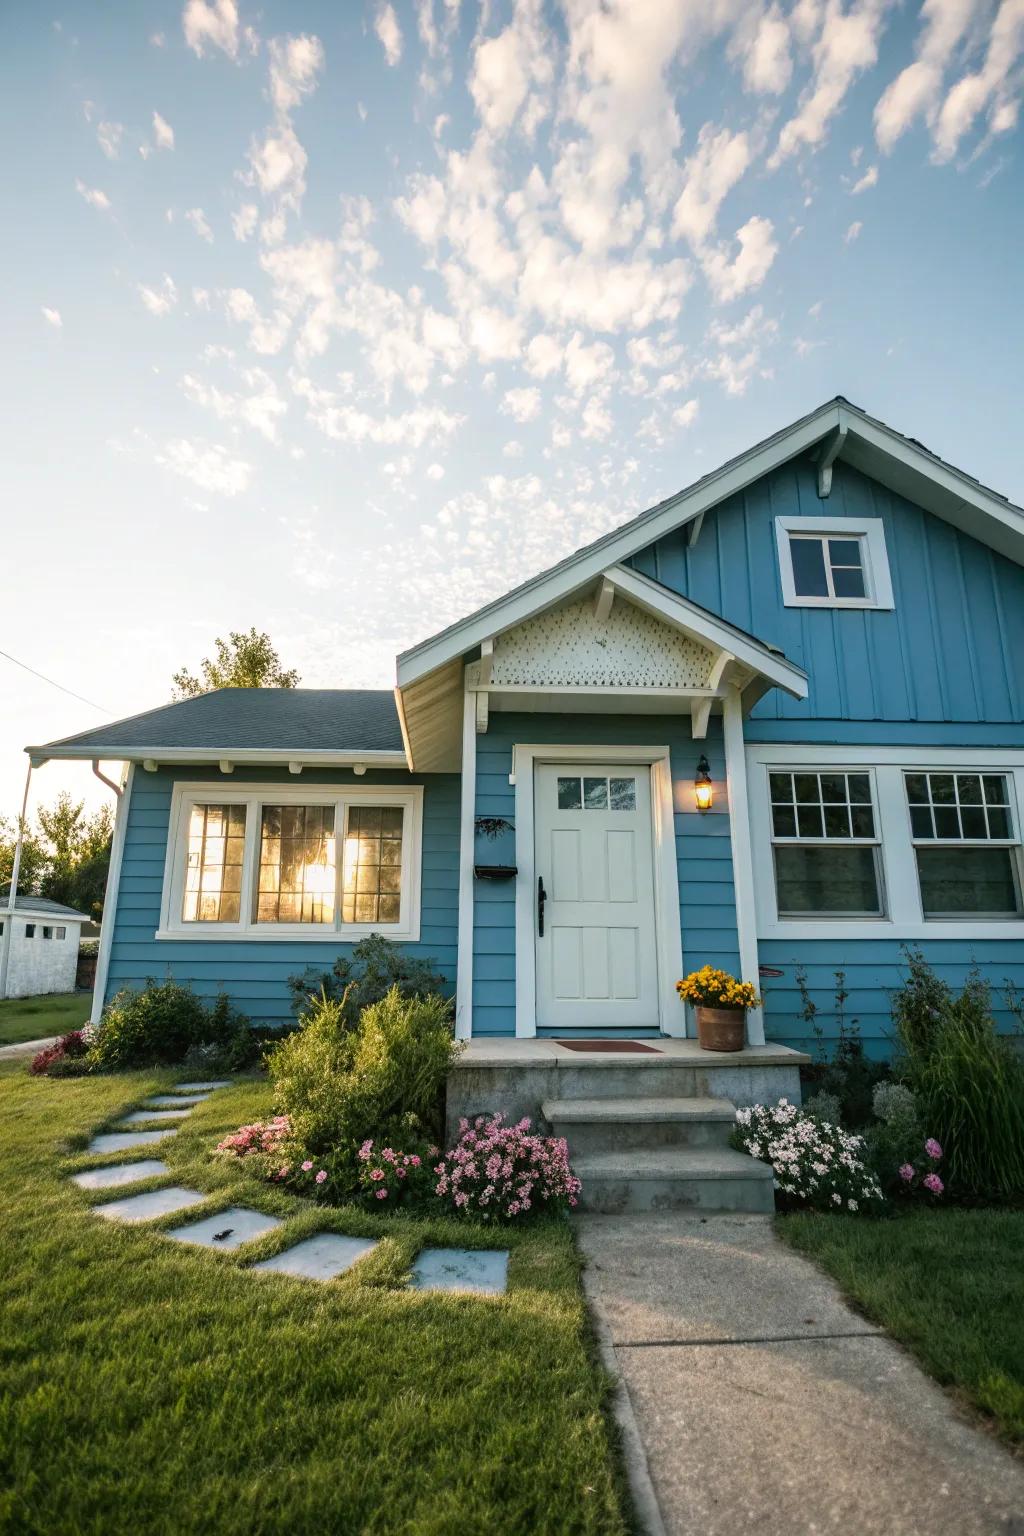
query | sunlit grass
[33, 1018]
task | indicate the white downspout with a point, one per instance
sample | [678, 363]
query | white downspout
[742, 851]
[110, 896]
[5, 947]
[467, 839]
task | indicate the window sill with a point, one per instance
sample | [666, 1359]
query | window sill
[287, 933]
[837, 602]
[992, 929]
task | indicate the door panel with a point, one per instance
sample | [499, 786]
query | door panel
[597, 958]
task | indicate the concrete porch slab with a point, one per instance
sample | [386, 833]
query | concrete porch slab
[227, 1230]
[322, 1257]
[483, 1052]
[158, 1202]
[124, 1173]
[461, 1269]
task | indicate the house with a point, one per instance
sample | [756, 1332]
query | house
[775, 723]
[38, 946]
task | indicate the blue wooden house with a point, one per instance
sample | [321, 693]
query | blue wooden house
[775, 723]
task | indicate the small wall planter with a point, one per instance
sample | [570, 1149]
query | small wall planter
[494, 852]
[721, 1029]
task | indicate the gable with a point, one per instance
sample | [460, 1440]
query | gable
[572, 645]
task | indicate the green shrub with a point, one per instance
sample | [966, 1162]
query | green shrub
[374, 967]
[163, 1023]
[381, 1078]
[824, 1107]
[969, 1081]
[848, 1074]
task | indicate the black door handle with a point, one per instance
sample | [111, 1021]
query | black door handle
[541, 899]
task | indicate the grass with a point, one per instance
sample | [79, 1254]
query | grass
[945, 1283]
[150, 1386]
[33, 1018]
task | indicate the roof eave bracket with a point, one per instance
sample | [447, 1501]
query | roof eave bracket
[830, 452]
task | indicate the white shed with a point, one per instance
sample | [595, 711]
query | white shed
[41, 939]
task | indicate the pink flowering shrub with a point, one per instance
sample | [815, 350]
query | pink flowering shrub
[65, 1057]
[905, 1159]
[395, 1177]
[816, 1164]
[263, 1137]
[499, 1172]
[923, 1172]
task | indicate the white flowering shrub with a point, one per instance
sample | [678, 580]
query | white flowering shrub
[816, 1164]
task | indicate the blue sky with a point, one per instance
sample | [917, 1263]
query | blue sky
[340, 319]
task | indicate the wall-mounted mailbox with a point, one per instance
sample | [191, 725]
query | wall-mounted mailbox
[495, 871]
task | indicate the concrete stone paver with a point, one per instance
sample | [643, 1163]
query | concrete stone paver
[223, 1082]
[124, 1173]
[461, 1269]
[763, 1401]
[123, 1141]
[322, 1257]
[140, 1116]
[158, 1202]
[227, 1229]
[175, 1100]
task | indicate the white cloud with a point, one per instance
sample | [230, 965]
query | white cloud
[596, 421]
[261, 409]
[109, 136]
[996, 86]
[93, 196]
[846, 45]
[295, 63]
[160, 301]
[212, 23]
[521, 404]
[587, 366]
[686, 415]
[865, 182]
[435, 471]
[508, 66]
[346, 423]
[198, 220]
[244, 221]
[767, 65]
[389, 32]
[157, 40]
[208, 465]
[916, 89]
[815, 310]
[52, 317]
[748, 268]
[163, 133]
[853, 231]
[278, 164]
[711, 172]
[543, 356]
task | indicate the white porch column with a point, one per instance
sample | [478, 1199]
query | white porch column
[467, 839]
[110, 895]
[742, 855]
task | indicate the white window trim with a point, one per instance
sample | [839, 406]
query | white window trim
[828, 842]
[247, 929]
[904, 918]
[869, 530]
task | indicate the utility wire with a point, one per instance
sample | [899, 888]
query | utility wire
[52, 684]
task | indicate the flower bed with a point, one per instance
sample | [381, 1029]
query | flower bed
[816, 1164]
[498, 1170]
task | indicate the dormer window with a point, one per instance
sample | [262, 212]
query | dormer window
[833, 562]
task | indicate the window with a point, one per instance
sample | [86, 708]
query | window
[596, 794]
[60, 933]
[963, 834]
[825, 844]
[833, 562]
[47, 933]
[213, 882]
[275, 862]
[296, 879]
[30, 930]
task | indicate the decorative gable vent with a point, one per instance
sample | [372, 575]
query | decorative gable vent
[573, 646]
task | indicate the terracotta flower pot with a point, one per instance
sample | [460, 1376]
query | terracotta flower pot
[721, 1029]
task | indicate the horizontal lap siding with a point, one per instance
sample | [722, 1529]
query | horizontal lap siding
[703, 846]
[873, 970]
[255, 975]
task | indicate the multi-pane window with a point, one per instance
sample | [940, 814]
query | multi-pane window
[296, 864]
[372, 876]
[825, 844]
[60, 933]
[965, 844]
[827, 567]
[596, 793]
[213, 872]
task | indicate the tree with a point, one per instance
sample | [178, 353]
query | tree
[34, 857]
[78, 853]
[242, 661]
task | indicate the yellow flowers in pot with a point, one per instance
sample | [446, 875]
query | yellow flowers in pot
[711, 988]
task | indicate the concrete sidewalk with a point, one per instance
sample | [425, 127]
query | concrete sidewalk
[763, 1402]
[26, 1047]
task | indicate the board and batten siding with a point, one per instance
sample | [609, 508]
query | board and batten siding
[703, 847]
[943, 668]
[255, 975]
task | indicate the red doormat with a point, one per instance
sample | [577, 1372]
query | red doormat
[632, 1047]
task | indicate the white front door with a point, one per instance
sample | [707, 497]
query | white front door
[595, 938]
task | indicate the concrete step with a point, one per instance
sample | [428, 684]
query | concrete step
[674, 1179]
[613, 1125]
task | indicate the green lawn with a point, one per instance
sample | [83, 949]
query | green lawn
[946, 1283]
[152, 1387]
[33, 1018]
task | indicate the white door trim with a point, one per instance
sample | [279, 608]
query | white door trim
[669, 942]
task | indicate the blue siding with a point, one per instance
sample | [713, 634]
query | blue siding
[951, 650]
[703, 847]
[255, 975]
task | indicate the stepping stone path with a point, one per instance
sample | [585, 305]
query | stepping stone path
[158, 1202]
[321, 1257]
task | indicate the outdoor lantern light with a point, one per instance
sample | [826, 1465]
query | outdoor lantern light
[703, 791]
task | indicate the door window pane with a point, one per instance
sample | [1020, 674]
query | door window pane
[595, 794]
[622, 794]
[213, 870]
[296, 869]
[968, 882]
[570, 797]
[372, 875]
[834, 881]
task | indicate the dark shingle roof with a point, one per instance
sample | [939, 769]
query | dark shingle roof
[41, 904]
[261, 719]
